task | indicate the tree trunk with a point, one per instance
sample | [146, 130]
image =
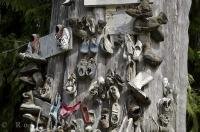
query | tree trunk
[173, 50]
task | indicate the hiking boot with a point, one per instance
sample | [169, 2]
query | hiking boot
[68, 2]
[100, 26]
[115, 114]
[142, 10]
[38, 79]
[104, 121]
[27, 79]
[71, 85]
[151, 58]
[28, 105]
[29, 69]
[93, 46]
[141, 79]
[91, 68]
[82, 67]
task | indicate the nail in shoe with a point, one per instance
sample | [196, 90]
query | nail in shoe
[137, 50]
[85, 114]
[100, 26]
[91, 68]
[142, 10]
[114, 93]
[71, 85]
[157, 36]
[84, 47]
[55, 108]
[82, 67]
[134, 110]
[151, 58]
[141, 79]
[115, 114]
[27, 79]
[28, 104]
[68, 2]
[67, 110]
[93, 46]
[106, 45]
[29, 69]
[104, 121]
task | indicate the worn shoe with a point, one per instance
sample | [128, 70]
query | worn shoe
[32, 57]
[137, 50]
[142, 10]
[115, 114]
[85, 114]
[106, 45]
[90, 23]
[130, 125]
[124, 124]
[27, 79]
[151, 58]
[68, 2]
[104, 121]
[91, 68]
[29, 69]
[32, 118]
[100, 26]
[65, 40]
[114, 93]
[38, 79]
[141, 79]
[48, 86]
[84, 47]
[93, 46]
[71, 85]
[92, 116]
[67, 110]
[157, 36]
[82, 67]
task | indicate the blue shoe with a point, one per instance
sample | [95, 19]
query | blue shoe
[84, 47]
[93, 46]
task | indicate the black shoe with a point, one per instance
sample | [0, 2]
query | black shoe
[151, 58]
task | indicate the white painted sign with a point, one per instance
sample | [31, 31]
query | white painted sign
[110, 2]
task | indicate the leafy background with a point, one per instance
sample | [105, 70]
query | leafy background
[20, 18]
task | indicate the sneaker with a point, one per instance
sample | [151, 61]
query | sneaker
[142, 10]
[104, 121]
[82, 67]
[115, 114]
[141, 79]
[151, 58]
[91, 68]
[71, 85]
[93, 46]
[84, 47]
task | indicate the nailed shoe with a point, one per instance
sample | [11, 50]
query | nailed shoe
[28, 104]
[85, 114]
[134, 110]
[106, 45]
[115, 114]
[142, 10]
[84, 47]
[93, 46]
[100, 26]
[104, 121]
[71, 85]
[27, 79]
[91, 68]
[141, 79]
[82, 67]
[55, 108]
[29, 69]
[151, 58]
[68, 2]
[67, 110]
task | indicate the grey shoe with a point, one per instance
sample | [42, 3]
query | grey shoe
[142, 10]
[38, 79]
[115, 114]
[104, 121]
[141, 79]
[106, 45]
[84, 47]
[151, 58]
[100, 26]
[137, 50]
[82, 67]
[91, 68]
[71, 85]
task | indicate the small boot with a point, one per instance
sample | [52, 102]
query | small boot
[141, 79]
[151, 58]
[28, 104]
[114, 93]
[142, 10]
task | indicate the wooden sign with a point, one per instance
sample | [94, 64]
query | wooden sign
[49, 45]
[110, 2]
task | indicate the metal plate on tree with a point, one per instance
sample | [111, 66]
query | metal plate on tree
[118, 22]
[49, 45]
[110, 2]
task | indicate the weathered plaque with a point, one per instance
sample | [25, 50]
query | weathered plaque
[118, 22]
[49, 45]
[110, 2]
